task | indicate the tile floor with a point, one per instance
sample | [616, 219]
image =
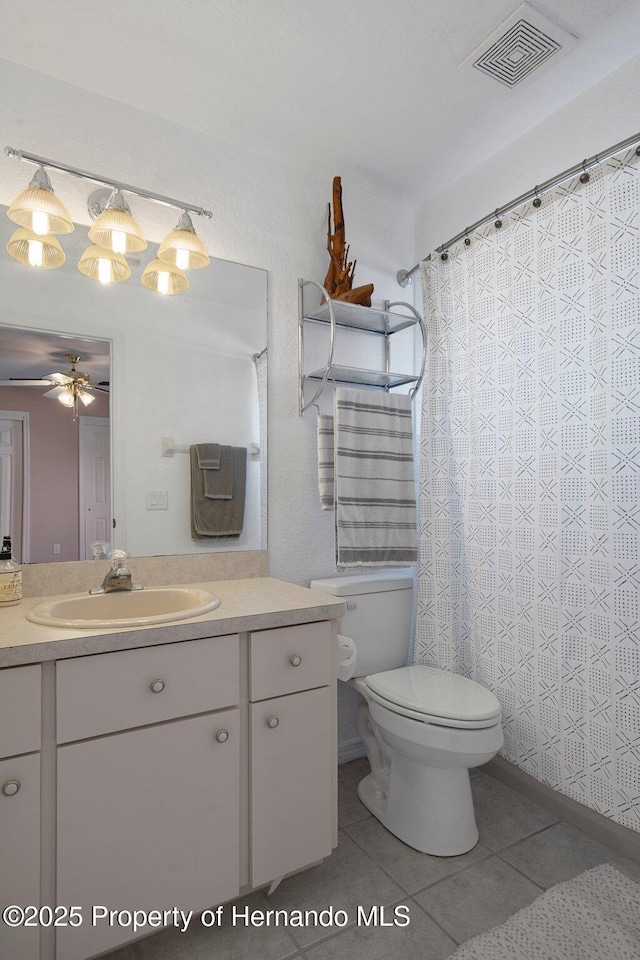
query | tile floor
[522, 851]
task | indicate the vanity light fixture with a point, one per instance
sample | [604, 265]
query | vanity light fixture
[183, 247]
[35, 250]
[37, 208]
[114, 233]
[164, 278]
[114, 227]
[104, 265]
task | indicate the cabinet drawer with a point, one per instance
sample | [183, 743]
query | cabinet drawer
[113, 691]
[19, 710]
[290, 659]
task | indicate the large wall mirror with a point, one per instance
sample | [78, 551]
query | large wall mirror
[189, 369]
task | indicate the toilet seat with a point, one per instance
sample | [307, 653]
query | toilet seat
[434, 696]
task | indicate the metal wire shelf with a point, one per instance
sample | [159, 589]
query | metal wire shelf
[337, 314]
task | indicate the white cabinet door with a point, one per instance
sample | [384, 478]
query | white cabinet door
[291, 783]
[19, 851]
[148, 820]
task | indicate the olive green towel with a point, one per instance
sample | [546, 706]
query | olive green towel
[208, 456]
[218, 518]
[218, 483]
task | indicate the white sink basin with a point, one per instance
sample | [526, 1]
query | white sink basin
[124, 608]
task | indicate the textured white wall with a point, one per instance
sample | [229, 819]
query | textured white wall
[266, 214]
[603, 115]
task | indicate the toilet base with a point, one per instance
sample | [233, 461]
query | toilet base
[419, 786]
[442, 824]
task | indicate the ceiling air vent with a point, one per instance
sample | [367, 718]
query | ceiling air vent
[520, 46]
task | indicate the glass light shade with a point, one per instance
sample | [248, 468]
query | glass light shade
[86, 398]
[37, 208]
[58, 378]
[29, 248]
[183, 247]
[66, 398]
[115, 228]
[102, 264]
[164, 278]
[55, 392]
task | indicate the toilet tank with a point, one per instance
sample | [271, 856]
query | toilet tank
[377, 618]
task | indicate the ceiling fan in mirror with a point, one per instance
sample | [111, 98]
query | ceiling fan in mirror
[70, 388]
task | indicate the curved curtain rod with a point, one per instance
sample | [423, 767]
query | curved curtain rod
[404, 276]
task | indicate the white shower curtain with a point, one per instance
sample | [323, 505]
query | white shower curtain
[530, 481]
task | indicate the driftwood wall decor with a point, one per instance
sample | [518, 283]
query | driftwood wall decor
[339, 279]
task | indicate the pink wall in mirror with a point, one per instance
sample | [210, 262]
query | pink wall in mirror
[54, 468]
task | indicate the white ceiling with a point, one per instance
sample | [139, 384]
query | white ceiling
[370, 89]
[32, 354]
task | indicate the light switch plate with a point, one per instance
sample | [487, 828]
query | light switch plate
[158, 500]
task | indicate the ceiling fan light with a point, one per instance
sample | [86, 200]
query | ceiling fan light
[66, 398]
[54, 393]
[37, 208]
[116, 229]
[164, 278]
[183, 248]
[33, 250]
[85, 397]
[104, 265]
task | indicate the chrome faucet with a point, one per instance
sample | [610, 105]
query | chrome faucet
[118, 577]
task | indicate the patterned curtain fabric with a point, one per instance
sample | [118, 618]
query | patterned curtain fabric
[530, 481]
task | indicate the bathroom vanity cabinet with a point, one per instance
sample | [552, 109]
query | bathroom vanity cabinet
[20, 717]
[291, 749]
[179, 774]
[148, 792]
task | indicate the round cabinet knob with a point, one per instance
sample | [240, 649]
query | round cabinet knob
[295, 660]
[10, 788]
[157, 686]
[272, 722]
[222, 736]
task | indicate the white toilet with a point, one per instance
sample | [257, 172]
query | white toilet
[423, 728]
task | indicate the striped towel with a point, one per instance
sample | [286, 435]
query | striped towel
[326, 461]
[374, 480]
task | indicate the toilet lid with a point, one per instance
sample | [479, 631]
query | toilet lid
[435, 692]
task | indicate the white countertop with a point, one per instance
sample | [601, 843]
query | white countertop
[258, 603]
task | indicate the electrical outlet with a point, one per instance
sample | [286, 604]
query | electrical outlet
[158, 500]
[56, 548]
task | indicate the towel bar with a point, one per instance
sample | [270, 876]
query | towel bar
[168, 448]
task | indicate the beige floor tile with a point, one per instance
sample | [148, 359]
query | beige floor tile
[408, 867]
[350, 808]
[560, 853]
[422, 939]
[478, 898]
[345, 880]
[228, 942]
[504, 816]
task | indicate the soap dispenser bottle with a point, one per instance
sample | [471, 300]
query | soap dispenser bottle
[10, 576]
